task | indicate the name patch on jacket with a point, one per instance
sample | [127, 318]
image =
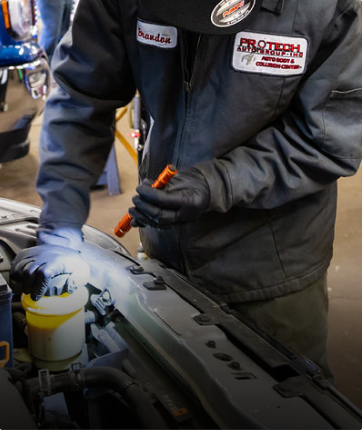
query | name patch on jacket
[161, 36]
[269, 54]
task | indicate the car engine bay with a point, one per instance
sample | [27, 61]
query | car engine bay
[153, 351]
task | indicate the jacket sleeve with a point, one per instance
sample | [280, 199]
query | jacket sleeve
[314, 142]
[94, 76]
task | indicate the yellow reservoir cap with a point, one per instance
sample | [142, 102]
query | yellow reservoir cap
[56, 305]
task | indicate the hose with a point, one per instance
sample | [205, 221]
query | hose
[105, 377]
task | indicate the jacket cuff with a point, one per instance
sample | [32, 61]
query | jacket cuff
[218, 180]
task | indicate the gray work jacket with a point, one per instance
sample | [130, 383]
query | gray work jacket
[272, 117]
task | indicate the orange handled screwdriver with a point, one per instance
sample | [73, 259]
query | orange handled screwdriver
[165, 176]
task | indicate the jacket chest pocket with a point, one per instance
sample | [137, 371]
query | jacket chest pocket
[266, 69]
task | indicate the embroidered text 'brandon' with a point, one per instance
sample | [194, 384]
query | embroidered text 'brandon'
[157, 35]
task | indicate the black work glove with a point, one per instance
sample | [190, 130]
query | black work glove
[38, 269]
[182, 200]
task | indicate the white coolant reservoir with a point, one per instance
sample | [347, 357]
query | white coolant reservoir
[56, 328]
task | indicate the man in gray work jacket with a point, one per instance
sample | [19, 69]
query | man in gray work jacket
[257, 102]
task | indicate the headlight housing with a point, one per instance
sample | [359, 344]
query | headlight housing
[19, 18]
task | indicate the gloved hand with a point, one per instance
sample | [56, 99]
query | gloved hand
[182, 200]
[58, 253]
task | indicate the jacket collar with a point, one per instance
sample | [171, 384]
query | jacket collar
[275, 6]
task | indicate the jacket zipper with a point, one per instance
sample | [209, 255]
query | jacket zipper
[190, 74]
[189, 78]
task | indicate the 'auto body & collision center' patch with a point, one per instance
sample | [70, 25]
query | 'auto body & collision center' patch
[269, 54]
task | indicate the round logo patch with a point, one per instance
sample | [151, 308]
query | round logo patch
[231, 12]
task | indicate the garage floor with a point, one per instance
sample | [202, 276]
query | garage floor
[17, 180]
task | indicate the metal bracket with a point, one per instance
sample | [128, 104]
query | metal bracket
[157, 284]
